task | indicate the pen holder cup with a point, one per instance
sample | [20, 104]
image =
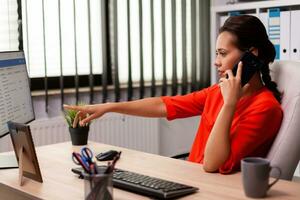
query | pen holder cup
[98, 186]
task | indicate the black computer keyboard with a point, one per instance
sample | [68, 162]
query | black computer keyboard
[150, 186]
[146, 185]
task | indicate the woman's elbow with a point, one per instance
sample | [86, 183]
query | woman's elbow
[210, 168]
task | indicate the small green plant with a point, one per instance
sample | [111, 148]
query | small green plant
[73, 118]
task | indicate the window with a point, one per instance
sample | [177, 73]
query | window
[158, 39]
[62, 35]
[9, 34]
[164, 38]
[71, 43]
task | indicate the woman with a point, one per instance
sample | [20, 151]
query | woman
[236, 121]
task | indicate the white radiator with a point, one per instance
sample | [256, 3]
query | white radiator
[115, 129]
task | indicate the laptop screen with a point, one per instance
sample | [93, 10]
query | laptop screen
[15, 96]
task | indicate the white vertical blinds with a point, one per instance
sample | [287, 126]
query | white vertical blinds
[134, 35]
[9, 25]
[52, 43]
[189, 39]
[38, 55]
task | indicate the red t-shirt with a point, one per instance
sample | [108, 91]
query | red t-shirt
[256, 122]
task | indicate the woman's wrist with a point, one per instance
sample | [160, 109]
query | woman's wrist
[107, 107]
[230, 106]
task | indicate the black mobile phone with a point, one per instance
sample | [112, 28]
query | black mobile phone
[251, 64]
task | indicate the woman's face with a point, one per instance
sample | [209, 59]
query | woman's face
[227, 54]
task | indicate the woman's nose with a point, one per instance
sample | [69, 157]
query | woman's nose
[217, 62]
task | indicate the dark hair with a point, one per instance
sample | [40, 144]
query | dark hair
[250, 32]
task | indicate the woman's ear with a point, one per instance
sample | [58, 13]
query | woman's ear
[254, 50]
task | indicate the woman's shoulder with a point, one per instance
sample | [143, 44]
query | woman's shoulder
[265, 99]
[262, 104]
[212, 89]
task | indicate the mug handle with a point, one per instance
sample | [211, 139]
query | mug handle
[275, 181]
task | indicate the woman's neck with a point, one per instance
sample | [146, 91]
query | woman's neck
[255, 84]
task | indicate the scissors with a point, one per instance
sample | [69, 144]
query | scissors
[84, 159]
[87, 155]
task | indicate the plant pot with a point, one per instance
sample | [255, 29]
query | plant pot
[79, 136]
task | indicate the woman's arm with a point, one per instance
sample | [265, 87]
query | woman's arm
[217, 147]
[218, 144]
[148, 107]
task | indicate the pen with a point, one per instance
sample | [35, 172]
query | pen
[96, 168]
[111, 166]
[93, 168]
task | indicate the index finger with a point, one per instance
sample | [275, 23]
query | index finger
[229, 73]
[87, 119]
[71, 107]
[239, 70]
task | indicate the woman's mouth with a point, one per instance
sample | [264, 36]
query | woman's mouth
[220, 73]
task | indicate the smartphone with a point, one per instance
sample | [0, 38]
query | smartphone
[251, 64]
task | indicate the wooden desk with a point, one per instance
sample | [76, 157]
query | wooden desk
[60, 183]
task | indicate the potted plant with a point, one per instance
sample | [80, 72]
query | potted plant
[79, 134]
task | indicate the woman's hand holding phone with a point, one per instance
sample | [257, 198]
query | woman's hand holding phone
[231, 87]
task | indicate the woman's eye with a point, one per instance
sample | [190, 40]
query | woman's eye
[223, 54]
